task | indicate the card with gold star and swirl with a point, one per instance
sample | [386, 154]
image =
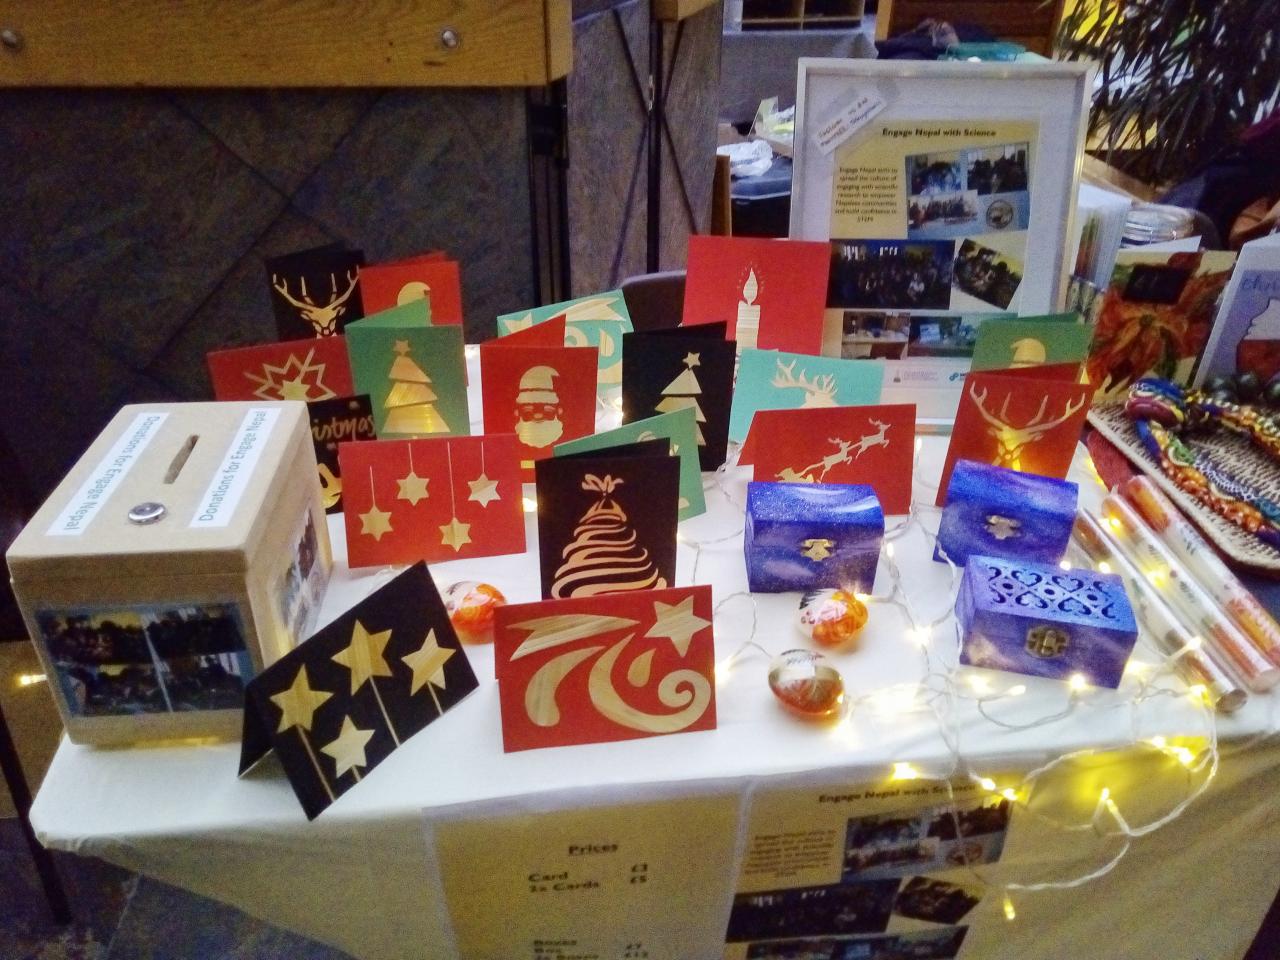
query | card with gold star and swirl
[336, 706]
[448, 498]
[605, 668]
[314, 369]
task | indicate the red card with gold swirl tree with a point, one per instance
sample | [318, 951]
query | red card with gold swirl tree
[605, 668]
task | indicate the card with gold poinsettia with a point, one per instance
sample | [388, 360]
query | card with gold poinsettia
[337, 705]
[446, 498]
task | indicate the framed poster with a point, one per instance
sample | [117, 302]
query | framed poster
[947, 191]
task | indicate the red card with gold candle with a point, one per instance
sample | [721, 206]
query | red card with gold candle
[546, 392]
[445, 498]
[312, 369]
[387, 285]
[1028, 420]
[600, 669]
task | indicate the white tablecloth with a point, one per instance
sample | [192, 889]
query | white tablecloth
[357, 878]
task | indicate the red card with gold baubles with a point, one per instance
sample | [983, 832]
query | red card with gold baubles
[605, 668]
[312, 369]
[546, 392]
[446, 498]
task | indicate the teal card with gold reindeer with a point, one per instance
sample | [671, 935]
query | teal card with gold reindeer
[679, 428]
[414, 374]
[1031, 342]
[598, 320]
[772, 380]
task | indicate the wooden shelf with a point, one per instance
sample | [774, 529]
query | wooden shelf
[801, 14]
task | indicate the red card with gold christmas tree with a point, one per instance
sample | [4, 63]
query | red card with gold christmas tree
[312, 369]
[437, 499]
[873, 445]
[431, 277]
[1028, 419]
[546, 392]
[601, 669]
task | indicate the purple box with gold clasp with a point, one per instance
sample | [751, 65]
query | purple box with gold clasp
[1041, 620]
[804, 536]
[995, 512]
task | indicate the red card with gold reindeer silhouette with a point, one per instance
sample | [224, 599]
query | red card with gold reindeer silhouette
[546, 392]
[430, 277]
[446, 498]
[316, 292]
[772, 293]
[311, 369]
[601, 669]
[1028, 419]
[607, 520]
[874, 445]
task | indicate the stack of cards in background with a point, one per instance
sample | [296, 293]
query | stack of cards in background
[599, 321]
[533, 384]
[1100, 219]
[315, 293]
[1246, 333]
[677, 369]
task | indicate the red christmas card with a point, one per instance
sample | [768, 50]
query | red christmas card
[777, 288]
[546, 392]
[1028, 420]
[874, 445]
[312, 369]
[387, 285]
[445, 498]
[601, 669]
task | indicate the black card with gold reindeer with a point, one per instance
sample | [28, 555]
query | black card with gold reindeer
[336, 706]
[316, 292]
[607, 520]
[685, 367]
[334, 421]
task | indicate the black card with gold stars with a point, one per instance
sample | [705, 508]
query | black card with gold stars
[316, 292]
[666, 370]
[336, 706]
[335, 421]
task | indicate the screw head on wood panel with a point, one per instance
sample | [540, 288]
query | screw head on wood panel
[148, 512]
[11, 38]
[450, 39]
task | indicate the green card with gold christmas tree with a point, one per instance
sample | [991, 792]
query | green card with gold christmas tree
[414, 373]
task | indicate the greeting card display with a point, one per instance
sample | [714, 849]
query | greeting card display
[687, 367]
[771, 293]
[1031, 342]
[871, 445]
[311, 369]
[339, 704]
[1019, 419]
[768, 380]
[414, 374]
[679, 428]
[1246, 333]
[596, 670]
[430, 277]
[607, 521]
[433, 499]
[316, 292]
[597, 321]
[996, 512]
[546, 392]
[336, 421]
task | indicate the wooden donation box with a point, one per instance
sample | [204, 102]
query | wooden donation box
[184, 552]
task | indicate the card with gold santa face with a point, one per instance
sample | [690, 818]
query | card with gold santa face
[316, 292]
[607, 520]
[685, 367]
[312, 369]
[440, 499]
[546, 392]
[600, 669]
[337, 705]
[431, 277]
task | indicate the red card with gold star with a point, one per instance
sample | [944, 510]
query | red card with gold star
[546, 392]
[337, 705]
[433, 277]
[600, 669]
[445, 498]
[874, 445]
[314, 369]
[1028, 419]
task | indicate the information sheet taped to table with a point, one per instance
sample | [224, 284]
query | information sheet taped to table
[629, 881]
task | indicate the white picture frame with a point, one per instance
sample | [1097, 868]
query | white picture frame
[1053, 96]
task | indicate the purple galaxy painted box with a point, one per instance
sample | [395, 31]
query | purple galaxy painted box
[803, 536]
[994, 512]
[1038, 619]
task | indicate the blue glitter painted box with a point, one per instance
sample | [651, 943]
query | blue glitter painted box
[802, 536]
[1038, 619]
[995, 512]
